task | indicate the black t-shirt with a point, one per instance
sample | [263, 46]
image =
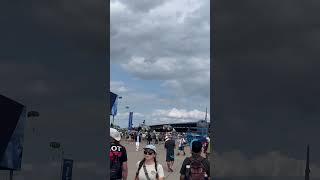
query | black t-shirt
[121, 152]
[186, 162]
[170, 145]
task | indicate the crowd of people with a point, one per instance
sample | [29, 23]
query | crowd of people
[150, 137]
[195, 167]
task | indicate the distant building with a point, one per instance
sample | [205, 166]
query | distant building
[183, 127]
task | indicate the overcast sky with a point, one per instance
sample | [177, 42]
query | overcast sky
[160, 59]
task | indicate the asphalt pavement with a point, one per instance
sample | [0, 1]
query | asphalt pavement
[135, 156]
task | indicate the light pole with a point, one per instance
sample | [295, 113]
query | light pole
[56, 146]
[32, 115]
[127, 107]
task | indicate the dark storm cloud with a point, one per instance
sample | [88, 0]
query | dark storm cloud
[266, 77]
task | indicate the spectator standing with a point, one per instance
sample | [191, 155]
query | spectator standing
[149, 138]
[181, 143]
[138, 140]
[195, 167]
[118, 157]
[148, 167]
[170, 145]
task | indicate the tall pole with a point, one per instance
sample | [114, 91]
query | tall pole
[62, 161]
[127, 107]
[307, 171]
[206, 115]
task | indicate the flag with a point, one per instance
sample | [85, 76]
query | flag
[114, 109]
[113, 103]
[130, 120]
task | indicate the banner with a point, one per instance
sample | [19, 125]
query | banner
[67, 169]
[13, 117]
[113, 98]
[114, 109]
[130, 120]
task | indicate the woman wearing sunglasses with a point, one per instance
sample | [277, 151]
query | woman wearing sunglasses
[148, 167]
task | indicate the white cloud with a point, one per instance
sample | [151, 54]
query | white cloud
[118, 87]
[116, 6]
[162, 68]
[141, 5]
[190, 77]
[167, 40]
[163, 116]
[180, 114]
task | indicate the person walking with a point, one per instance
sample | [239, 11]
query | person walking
[181, 142]
[138, 140]
[131, 138]
[149, 138]
[144, 136]
[148, 167]
[154, 137]
[157, 138]
[170, 145]
[195, 167]
[134, 135]
[208, 148]
[118, 157]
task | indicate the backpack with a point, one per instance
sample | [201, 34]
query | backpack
[197, 170]
[115, 167]
[141, 164]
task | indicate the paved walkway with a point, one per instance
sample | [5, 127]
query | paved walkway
[134, 157]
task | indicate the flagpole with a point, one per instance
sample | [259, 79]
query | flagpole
[206, 115]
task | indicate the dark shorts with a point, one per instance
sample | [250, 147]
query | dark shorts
[170, 157]
[181, 148]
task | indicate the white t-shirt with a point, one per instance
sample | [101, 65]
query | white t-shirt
[151, 171]
[181, 142]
